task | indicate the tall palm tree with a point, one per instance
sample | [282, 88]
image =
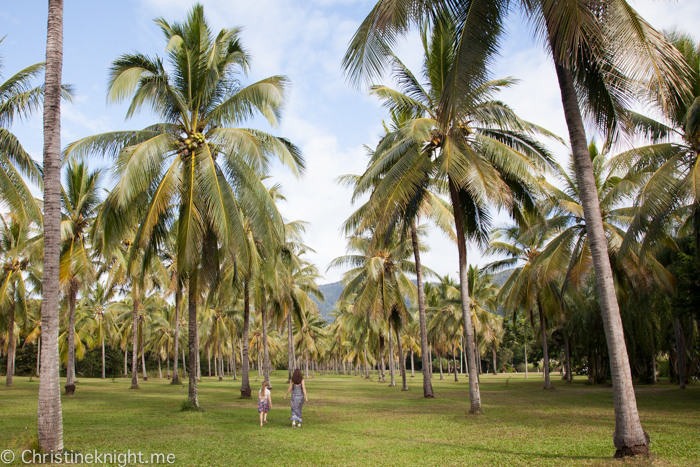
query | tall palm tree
[426, 203]
[197, 164]
[81, 200]
[587, 39]
[477, 146]
[50, 419]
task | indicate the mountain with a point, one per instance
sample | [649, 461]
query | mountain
[333, 290]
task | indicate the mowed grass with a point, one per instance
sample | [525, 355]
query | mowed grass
[355, 422]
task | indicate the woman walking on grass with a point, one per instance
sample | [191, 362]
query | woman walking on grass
[264, 402]
[298, 389]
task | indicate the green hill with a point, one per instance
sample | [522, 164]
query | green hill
[333, 290]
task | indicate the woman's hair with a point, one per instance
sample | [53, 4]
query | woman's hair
[297, 377]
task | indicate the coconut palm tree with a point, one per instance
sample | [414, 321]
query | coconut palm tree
[587, 40]
[477, 146]
[50, 419]
[531, 284]
[96, 302]
[197, 164]
[81, 201]
[18, 99]
[20, 254]
[426, 203]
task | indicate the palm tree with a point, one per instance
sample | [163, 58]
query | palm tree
[426, 203]
[20, 251]
[18, 99]
[80, 204]
[50, 419]
[97, 303]
[477, 146]
[531, 284]
[587, 40]
[196, 165]
[379, 283]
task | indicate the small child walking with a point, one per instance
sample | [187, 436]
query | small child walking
[264, 402]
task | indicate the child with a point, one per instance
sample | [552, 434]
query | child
[264, 402]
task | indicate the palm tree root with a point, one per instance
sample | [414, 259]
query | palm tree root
[633, 451]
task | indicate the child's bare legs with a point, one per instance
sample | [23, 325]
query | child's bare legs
[261, 418]
[265, 417]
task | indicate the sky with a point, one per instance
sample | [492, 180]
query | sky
[326, 117]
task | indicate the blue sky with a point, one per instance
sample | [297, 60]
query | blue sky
[304, 40]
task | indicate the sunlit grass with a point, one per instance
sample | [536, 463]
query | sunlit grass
[351, 421]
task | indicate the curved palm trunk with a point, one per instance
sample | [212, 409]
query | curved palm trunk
[474, 394]
[192, 341]
[427, 384]
[391, 358]
[413, 369]
[495, 368]
[70, 361]
[545, 349]
[266, 353]
[176, 379]
[143, 359]
[402, 361]
[245, 383]
[366, 363]
[525, 345]
[10, 345]
[50, 418]
[629, 437]
[134, 341]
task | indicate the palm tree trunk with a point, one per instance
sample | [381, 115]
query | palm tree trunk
[175, 379]
[629, 437]
[290, 345]
[70, 362]
[103, 354]
[680, 351]
[143, 359]
[192, 341]
[402, 361]
[10, 344]
[525, 344]
[440, 360]
[381, 373]
[495, 367]
[167, 362]
[184, 362]
[430, 365]
[38, 356]
[427, 384]
[413, 370]
[50, 418]
[160, 373]
[245, 383]
[567, 356]
[266, 352]
[454, 360]
[545, 349]
[134, 340]
[474, 394]
[209, 362]
[391, 358]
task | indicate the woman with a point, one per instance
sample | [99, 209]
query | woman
[298, 389]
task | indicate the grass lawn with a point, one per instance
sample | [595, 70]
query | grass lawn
[354, 422]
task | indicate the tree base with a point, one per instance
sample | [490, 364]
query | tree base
[70, 389]
[633, 451]
[429, 396]
[134, 386]
[475, 411]
[245, 393]
[175, 381]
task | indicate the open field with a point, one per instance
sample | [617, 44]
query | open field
[350, 421]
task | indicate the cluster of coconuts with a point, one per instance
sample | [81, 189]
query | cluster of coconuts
[194, 140]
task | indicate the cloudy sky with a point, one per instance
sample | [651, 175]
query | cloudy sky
[304, 40]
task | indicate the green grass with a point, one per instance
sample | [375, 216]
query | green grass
[354, 422]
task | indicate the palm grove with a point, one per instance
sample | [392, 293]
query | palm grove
[187, 267]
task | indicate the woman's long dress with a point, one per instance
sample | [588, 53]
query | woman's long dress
[297, 402]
